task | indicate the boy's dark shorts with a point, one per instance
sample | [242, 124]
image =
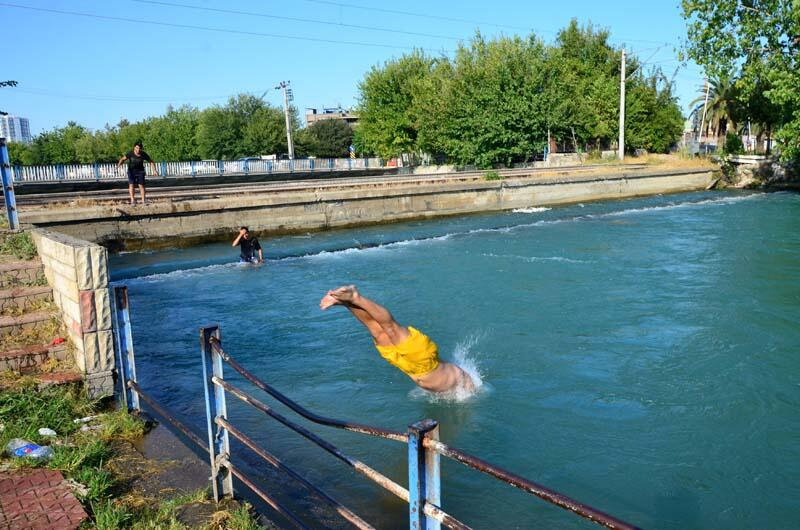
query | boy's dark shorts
[136, 178]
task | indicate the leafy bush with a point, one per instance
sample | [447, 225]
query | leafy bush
[733, 144]
[493, 175]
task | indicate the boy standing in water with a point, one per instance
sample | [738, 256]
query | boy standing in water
[404, 347]
[249, 246]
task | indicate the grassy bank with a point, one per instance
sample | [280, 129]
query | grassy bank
[90, 455]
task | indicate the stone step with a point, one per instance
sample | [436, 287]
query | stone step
[28, 321]
[24, 298]
[29, 359]
[58, 378]
[21, 273]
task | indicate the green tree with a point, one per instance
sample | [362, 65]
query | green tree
[328, 138]
[653, 117]
[723, 108]
[491, 112]
[386, 106]
[762, 40]
[173, 135]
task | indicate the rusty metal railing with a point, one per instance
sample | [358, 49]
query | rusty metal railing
[424, 450]
[422, 439]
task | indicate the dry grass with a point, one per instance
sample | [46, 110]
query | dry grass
[29, 307]
[41, 334]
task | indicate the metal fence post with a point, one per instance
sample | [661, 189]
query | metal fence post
[8, 187]
[424, 477]
[218, 444]
[124, 340]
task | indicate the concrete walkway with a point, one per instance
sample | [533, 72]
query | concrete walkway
[38, 499]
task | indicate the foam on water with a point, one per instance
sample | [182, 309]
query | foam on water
[532, 259]
[464, 356]
[532, 209]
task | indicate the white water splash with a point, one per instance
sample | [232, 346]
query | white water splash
[465, 357]
[533, 259]
[532, 209]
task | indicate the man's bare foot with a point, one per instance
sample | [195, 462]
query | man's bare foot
[327, 301]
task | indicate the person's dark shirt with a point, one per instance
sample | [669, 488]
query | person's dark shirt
[248, 247]
[136, 162]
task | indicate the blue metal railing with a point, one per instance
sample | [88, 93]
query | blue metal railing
[195, 168]
[422, 439]
[9, 198]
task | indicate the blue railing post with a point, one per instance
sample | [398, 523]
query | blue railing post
[311, 163]
[246, 167]
[8, 187]
[60, 173]
[163, 168]
[124, 343]
[218, 444]
[194, 171]
[96, 168]
[17, 173]
[424, 477]
[269, 167]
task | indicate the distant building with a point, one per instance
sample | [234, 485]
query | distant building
[331, 114]
[15, 129]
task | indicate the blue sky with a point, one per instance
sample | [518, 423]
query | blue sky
[99, 68]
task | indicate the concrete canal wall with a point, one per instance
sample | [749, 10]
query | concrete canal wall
[332, 205]
[78, 273]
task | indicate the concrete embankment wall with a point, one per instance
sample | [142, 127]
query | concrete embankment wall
[78, 273]
[330, 206]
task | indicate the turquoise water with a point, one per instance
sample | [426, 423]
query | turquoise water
[639, 356]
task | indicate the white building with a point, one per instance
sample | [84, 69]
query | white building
[15, 129]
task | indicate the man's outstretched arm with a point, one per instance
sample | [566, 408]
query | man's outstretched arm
[349, 296]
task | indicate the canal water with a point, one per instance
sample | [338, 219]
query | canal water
[640, 356]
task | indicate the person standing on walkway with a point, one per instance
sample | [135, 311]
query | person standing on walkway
[250, 246]
[136, 173]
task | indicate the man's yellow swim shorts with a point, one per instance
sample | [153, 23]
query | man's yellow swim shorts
[417, 355]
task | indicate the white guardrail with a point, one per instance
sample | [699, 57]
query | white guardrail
[204, 168]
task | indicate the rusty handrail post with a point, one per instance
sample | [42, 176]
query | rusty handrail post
[124, 344]
[424, 475]
[219, 443]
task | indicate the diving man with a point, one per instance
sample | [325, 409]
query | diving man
[404, 347]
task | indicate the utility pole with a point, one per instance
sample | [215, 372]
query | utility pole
[621, 153]
[703, 121]
[287, 97]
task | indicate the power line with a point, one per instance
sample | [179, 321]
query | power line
[460, 20]
[295, 19]
[420, 15]
[124, 99]
[213, 29]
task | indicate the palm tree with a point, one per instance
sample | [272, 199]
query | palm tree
[722, 107]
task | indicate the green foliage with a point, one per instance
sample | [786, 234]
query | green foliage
[23, 411]
[98, 483]
[20, 245]
[733, 144]
[497, 101]
[328, 138]
[388, 103]
[759, 45]
[493, 175]
[122, 426]
[111, 515]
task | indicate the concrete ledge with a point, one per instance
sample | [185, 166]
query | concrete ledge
[351, 204]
